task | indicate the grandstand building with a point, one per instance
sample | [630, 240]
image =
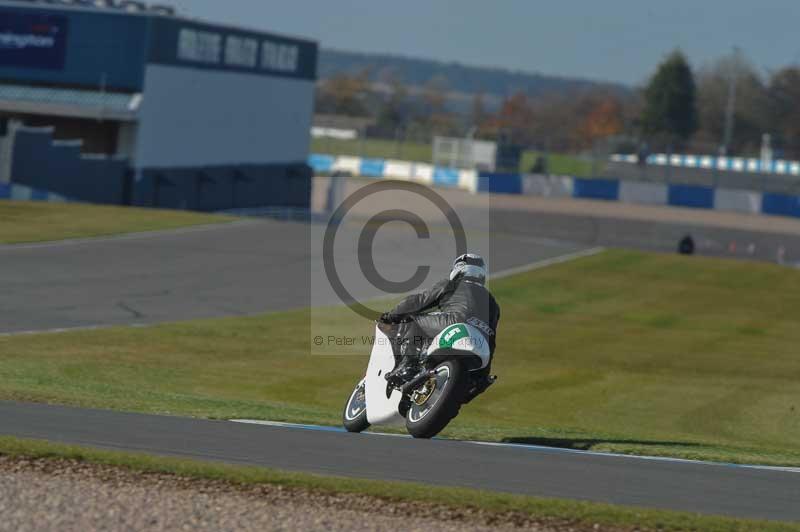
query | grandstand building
[133, 106]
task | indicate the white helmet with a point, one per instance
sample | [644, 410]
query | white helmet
[469, 266]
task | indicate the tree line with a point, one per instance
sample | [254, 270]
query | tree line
[727, 106]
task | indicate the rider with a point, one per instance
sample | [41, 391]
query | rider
[462, 298]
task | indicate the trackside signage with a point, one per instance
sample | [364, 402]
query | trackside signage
[213, 47]
[199, 46]
[32, 40]
[206, 47]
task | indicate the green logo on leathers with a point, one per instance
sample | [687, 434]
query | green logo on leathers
[453, 334]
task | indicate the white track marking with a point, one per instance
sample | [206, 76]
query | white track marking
[288, 425]
[538, 265]
[140, 235]
[529, 267]
[635, 456]
[62, 330]
[540, 448]
[320, 428]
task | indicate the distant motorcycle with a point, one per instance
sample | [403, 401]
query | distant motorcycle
[453, 372]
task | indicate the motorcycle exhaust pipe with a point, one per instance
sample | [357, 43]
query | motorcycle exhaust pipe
[416, 381]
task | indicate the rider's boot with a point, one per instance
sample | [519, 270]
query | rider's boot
[407, 368]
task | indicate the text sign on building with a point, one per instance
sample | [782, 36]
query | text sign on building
[199, 46]
[279, 56]
[241, 51]
[204, 46]
[31, 40]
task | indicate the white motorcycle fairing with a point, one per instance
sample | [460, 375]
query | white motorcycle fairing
[463, 337]
[381, 410]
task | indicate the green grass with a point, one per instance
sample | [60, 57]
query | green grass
[22, 221]
[583, 513]
[625, 351]
[559, 164]
[374, 148]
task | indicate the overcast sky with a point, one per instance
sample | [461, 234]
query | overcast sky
[615, 40]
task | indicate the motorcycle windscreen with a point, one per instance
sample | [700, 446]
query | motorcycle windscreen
[381, 409]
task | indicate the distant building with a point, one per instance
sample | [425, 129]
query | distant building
[198, 115]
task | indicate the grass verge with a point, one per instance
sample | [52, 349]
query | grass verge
[23, 221]
[582, 513]
[558, 163]
[623, 352]
[561, 164]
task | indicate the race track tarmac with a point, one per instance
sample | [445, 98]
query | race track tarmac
[257, 266]
[234, 269]
[667, 484]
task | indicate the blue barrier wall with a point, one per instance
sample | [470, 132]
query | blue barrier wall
[500, 183]
[39, 195]
[40, 164]
[60, 168]
[780, 204]
[12, 191]
[604, 189]
[691, 196]
[372, 167]
[321, 163]
[445, 177]
[224, 187]
[381, 168]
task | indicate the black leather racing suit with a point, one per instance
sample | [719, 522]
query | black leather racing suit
[459, 301]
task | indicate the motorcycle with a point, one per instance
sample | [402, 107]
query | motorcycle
[454, 370]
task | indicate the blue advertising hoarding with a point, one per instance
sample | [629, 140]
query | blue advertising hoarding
[33, 40]
[69, 46]
[107, 48]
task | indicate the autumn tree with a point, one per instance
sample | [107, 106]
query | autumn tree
[604, 119]
[434, 113]
[344, 94]
[394, 110]
[478, 114]
[513, 120]
[562, 120]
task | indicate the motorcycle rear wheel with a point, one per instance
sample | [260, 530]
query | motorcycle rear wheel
[354, 416]
[431, 411]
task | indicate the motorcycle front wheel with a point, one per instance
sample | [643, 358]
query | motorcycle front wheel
[436, 402]
[354, 417]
